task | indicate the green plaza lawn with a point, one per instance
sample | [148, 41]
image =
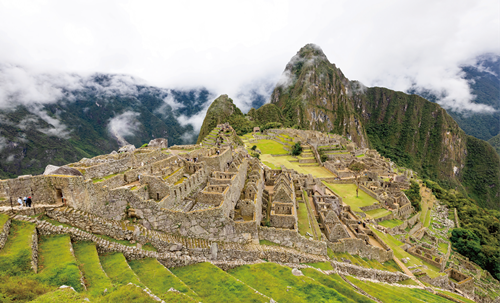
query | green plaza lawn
[316, 171]
[390, 223]
[348, 194]
[268, 147]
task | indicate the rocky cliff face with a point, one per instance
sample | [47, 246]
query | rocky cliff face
[313, 94]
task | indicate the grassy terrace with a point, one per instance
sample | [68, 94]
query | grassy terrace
[303, 218]
[96, 280]
[312, 219]
[378, 213]
[364, 262]
[348, 194]
[399, 253]
[159, 279]
[389, 294]
[279, 283]
[57, 265]
[335, 282]
[15, 257]
[390, 223]
[214, 285]
[116, 267]
[316, 171]
[269, 147]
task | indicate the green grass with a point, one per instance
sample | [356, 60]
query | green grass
[303, 218]
[389, 294]
[95, 180]
[348, 194]
[378, 213]
[269, 147]
[456, 296]
[266, 242]
[321, 265]
[95, 279]
[15, 257]
[159, 279]
[443, 247]
[399, 253]
[66, 295]
[359, 156]
[214, 285]
[128, 293]
[116, 267]
[57, 265]
[272, 166]
[279, 283]
[3, 220]
[317, 171]
[21, 288]
[312, 218]
[335, 282]
[390, 223]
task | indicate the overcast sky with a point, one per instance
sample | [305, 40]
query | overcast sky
[231, 46]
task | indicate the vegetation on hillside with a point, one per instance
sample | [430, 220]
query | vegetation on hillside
[495, 142]
[413, 194]
[479, 235]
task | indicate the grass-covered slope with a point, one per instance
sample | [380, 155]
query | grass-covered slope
[116, 267]
[279, 283]
[214, 285]
[57, 265]
[95, 279]
[159, 279]
[15, 257]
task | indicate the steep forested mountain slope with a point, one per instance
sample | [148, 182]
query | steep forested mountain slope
[91, 123]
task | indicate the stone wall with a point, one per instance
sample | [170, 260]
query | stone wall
[406, 223]
[369, 192]
[359, 247]
[370, 207]
[368, 273]
[5, 233]
[292, 238]
[34, 251]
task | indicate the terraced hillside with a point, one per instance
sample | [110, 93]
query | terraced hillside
[98, 276]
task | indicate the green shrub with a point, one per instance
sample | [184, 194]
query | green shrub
[144, 145]
[296, 149]
[413, 194]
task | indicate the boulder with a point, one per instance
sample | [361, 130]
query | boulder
[297, 272]
[63, 170]
[159, 142]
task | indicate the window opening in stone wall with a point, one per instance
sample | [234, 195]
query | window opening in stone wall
[157, 196]
[59, 194]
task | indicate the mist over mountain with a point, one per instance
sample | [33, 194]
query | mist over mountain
[483, 76]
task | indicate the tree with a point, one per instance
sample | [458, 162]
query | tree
[254, 147]
[296, 149]
[357, 167]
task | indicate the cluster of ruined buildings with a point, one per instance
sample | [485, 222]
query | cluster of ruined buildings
[203, 192]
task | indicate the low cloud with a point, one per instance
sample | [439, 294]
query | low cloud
[124, 125]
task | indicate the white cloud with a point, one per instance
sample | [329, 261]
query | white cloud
[224, 45]
[124, 124]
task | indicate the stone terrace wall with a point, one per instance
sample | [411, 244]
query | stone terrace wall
[293, 239]
[369, 192]
[369, 273]
[401, 228]
[371, 233]
[360, 248]
[5, 233]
